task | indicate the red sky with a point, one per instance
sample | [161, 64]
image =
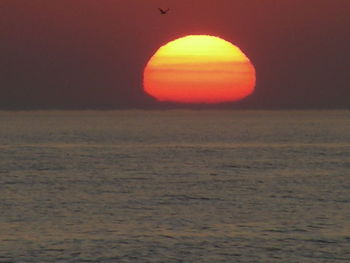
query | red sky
[91, 53]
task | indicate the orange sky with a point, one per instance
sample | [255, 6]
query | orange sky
[81, 53]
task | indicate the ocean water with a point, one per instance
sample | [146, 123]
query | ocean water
[175, 186]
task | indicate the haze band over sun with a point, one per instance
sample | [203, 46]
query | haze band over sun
[199, 69]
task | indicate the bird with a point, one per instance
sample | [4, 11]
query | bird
[162, 11]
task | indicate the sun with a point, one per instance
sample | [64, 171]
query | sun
[199, 69]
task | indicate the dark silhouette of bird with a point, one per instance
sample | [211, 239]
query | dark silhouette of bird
[162, 11]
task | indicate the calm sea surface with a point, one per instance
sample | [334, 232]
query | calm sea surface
[175, 186]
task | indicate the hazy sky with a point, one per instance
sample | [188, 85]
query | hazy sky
[91, 53]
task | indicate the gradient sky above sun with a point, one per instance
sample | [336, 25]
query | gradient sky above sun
[199, 69]
[84, 54]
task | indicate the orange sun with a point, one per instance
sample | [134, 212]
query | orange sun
[199, 69]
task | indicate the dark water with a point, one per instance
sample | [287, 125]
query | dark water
[175, 186]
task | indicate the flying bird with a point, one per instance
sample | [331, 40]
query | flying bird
[162, 11]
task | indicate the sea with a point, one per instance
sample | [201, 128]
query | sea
[188, 186]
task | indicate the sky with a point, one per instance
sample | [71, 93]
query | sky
[90, 54]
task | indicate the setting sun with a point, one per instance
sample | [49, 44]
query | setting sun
[199, 69]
